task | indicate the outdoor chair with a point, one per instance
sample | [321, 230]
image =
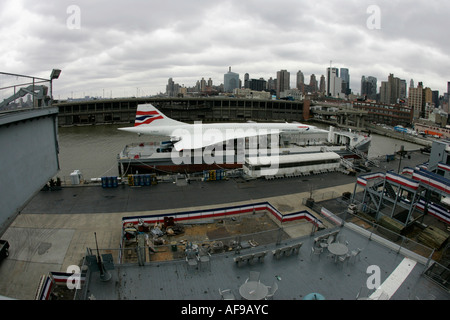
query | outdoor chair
[204, 259]
[316, 251]
[260, 256]
[296, 248]
[287, 251]
[330, 239]
[227, 294]
[277, 253]
[248, 258]
[343, 259]
[272, 291]
[341, 238]
[355, 254]
[192, 262]
[323, 243]
[253, 276]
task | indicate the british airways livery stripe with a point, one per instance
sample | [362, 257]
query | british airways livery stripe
[146, 117]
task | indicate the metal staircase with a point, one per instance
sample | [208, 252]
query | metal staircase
[39, 92]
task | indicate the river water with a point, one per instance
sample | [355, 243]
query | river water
[93, 149]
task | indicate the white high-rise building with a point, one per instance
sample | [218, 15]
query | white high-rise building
[334, 83]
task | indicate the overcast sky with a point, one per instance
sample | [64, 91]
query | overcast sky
[125, 48]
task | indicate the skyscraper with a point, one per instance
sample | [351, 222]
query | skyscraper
[271, 85]
[257, 84]
[230, 81]
[345, 76]
[403, 91]
[385, 92]
[334, 83]
[415, 101]
[369, 87]
[390, 91]
[322, 85]
[313, 83]
[172, 88]
[435, 95]
[246, 79]
[300, 80]
[283, 81]
[448, 91]
[203, 85]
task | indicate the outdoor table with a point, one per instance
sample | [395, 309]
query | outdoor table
[253, 290]
[338, 249]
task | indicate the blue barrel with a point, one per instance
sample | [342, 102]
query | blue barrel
[104, 182]
[115, 182]
[147, 179]
[137, 180]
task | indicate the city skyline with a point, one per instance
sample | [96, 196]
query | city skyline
[123, 49]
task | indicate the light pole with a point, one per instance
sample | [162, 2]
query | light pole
[54, 75]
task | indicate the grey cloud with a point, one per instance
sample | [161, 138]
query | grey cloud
[143, 43]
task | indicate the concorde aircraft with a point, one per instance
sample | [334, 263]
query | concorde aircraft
[184, 136]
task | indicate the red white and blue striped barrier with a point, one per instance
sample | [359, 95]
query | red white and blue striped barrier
[53, 279]
[390, 176]
[403, 181]
[363, 179]
[443, 166]
[408, 170]
[433, 180]
[221, 212]
[331, 216]
[46, 289]
[435, 210]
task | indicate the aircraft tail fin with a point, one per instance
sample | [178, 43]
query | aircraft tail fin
[147, 115]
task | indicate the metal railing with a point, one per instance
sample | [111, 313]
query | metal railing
[22, 92]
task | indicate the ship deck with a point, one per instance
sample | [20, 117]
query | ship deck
[67, 219]
[297, 275]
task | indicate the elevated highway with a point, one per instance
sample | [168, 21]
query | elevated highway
[338, 115]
